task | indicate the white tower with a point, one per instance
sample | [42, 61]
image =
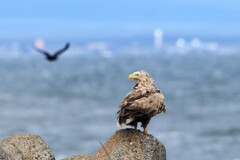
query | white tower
[158, 38]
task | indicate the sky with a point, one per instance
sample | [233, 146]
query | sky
[117, 18]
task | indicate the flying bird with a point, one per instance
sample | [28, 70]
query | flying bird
[54, 56]
[141, 104]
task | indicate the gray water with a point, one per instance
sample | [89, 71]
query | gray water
[72, 103]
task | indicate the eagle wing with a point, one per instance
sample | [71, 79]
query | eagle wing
[141, 103]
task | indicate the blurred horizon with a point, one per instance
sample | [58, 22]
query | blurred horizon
[93, 20]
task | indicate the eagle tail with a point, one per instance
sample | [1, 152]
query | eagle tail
[123, 121]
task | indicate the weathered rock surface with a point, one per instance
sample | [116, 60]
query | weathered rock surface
[125, 144]
[3, 155]
[25, 147]
[131, 144]
[79, 157]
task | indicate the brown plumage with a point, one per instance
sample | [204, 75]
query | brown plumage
[141, 104]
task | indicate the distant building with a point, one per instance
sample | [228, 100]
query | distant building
[101, 48]
[158, 38]
[196, 43]
[39, 43]
[181, 46]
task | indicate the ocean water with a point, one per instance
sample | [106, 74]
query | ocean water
[72, 103]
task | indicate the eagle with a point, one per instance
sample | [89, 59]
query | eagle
[142, 103]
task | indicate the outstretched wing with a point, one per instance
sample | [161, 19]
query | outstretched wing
[41, 51]
[142, 103]
[62, 50]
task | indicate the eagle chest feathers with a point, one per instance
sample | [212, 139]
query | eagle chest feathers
[144, 102]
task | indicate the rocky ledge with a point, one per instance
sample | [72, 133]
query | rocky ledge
[25, 147]
[125, 144]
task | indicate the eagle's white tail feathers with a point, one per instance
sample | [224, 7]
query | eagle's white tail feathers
[119, 125]
[124, 124]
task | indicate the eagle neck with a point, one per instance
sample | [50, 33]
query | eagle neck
[143, 84]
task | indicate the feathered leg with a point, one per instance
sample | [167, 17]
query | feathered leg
[144, 125]
[145, 131]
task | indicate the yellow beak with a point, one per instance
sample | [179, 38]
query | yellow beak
[132, 76]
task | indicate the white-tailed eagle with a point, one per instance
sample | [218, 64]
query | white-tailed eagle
[141, 104]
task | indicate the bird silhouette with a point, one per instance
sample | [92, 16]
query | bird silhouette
[54, 56]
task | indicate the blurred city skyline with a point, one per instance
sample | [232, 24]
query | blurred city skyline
[76, 20]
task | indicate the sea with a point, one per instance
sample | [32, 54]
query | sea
[72, 103]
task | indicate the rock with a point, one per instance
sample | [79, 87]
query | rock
[26, 147]
[131, 144]
[11, 151]
[125, 144]
[79, 157]
[4, 155]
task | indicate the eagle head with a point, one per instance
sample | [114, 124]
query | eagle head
[142, 78]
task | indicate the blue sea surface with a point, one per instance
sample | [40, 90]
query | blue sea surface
[72, 103]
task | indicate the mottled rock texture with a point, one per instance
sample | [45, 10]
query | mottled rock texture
[125, 144]
[4, 155]
[131, 144]
[79, 157]
[26, 147]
